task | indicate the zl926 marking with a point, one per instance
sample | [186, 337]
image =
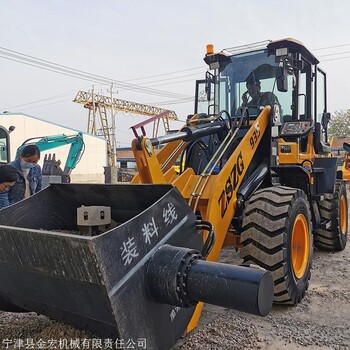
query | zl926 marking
[235, 175]
[254, 138]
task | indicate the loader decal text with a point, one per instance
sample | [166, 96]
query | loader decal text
[129, 251]
[169, 214]
[231, 184]
[254, 138]
[149, 230]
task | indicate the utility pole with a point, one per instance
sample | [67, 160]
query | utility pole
[114, 168]
[114, 131]
[93, 111]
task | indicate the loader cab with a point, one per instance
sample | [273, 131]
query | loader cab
[285, 73]
[238, 78]
[309, 94]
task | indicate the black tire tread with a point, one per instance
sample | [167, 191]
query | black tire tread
[330, 238]
[264, 238]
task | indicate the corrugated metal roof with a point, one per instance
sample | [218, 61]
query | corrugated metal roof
[50, 122]
[125, 154]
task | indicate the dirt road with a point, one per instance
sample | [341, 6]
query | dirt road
[321, 321]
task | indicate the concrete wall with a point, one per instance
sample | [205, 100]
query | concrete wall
[89, 169]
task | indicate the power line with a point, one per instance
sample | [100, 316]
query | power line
[335, 59]
[83, 88]
[47, 65]
[335, 54]
[50, 66]
[51, 70]
[174, 102]
[167, 79]
[69, 92]
[38, 63]
[164, 74]
[330, 47]
[45, 99]
[48, 104]
[174, 82]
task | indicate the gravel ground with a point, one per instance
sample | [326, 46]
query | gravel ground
[321, 321]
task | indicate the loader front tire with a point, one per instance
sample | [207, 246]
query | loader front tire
[334, 214]
[277, 236]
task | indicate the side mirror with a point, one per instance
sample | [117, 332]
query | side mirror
[281, 77]
[326, 117]
[209, 80]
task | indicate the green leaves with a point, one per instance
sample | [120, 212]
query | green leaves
[339, 125]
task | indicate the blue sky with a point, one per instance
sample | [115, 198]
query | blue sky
[127, 40]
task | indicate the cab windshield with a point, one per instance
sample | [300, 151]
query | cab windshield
[249, 79]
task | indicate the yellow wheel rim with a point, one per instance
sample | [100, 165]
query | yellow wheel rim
[300, 245]
[343, 216]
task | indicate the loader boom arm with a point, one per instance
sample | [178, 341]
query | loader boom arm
[214, 196]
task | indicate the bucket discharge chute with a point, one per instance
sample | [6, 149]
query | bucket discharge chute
[140, 277]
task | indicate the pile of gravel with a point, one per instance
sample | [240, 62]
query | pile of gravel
[37, 329]
[224, 332]
[306, 334]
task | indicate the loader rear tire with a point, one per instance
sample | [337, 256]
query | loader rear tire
[334, 213]
[277, 236]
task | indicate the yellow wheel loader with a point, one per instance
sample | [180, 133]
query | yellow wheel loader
[256, 163]
[255, 171]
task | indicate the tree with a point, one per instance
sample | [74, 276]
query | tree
[339, 126]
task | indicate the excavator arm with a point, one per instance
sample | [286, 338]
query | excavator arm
[49, 142]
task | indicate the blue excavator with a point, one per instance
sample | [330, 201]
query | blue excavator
[51, 166]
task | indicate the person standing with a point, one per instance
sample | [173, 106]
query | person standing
[29, 177]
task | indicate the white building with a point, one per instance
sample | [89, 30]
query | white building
[91, 166]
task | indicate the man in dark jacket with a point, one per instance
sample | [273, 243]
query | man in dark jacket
[30, 178]
[258, 98]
